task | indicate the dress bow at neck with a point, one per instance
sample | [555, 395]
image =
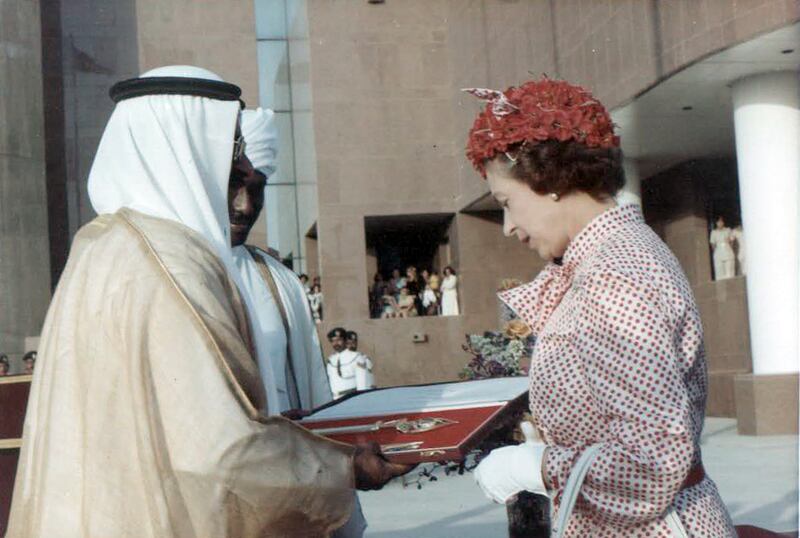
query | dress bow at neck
[535, 301]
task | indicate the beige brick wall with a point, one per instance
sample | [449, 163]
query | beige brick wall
[390, 126]
[219, 36]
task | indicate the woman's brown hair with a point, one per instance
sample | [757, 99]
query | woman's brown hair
[564, 167]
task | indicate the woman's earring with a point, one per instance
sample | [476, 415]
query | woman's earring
[554, 196]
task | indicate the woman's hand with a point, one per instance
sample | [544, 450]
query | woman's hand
[510, 469]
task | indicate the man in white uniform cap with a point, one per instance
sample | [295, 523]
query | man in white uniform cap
[292, 366]
[145, 416]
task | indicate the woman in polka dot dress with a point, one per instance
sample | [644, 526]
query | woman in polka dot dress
[619, 358]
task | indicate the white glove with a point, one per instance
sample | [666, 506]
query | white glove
[510, 469]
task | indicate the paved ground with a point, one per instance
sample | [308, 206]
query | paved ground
[757, 477]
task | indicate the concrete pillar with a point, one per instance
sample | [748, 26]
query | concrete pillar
[24, 244]
[631, 193]
[767, 125]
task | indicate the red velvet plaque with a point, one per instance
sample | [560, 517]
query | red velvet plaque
[13, 402]
[444, 428]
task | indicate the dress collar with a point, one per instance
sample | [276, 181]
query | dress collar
[599, 228]
[535, 301]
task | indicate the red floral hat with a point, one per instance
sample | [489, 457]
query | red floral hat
[534, 112]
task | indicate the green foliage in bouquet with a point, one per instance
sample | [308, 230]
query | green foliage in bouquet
[498, 354]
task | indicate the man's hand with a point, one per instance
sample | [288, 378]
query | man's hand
[373, 470]
[295, 414]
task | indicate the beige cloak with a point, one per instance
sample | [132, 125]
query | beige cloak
[143, 416]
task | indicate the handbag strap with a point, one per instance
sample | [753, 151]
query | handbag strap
[675, 525]
[573, 488]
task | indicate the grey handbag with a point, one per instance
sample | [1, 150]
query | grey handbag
[573, 487]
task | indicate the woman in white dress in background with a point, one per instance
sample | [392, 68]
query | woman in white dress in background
[315, 301]
[449, 292]
[724, 258]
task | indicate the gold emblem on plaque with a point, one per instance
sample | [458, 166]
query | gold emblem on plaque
[402, 425]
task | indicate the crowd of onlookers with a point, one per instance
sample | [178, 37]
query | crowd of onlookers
[28, 363]
[413, 293]
[314, 294]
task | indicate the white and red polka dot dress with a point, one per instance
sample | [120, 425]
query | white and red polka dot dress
[619, 360]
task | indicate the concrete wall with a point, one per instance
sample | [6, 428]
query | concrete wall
[377, 124]
[104, 42]
[219, 36]
[389, 139]
[312, 256]
[492, 44]
[98, 44]
[485, 258]
[24, 245]
[54, 132]
[390, 126]
[620, 47]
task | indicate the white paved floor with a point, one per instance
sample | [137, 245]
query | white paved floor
[757, 477]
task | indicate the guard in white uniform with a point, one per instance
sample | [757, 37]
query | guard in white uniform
[348, 371]
[364, 378]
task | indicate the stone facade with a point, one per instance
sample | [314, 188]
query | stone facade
[24, 245]
[103, 42]
[390, 130]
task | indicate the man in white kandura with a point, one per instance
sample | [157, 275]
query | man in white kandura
[146, 414]
[290, 358]
[349, 371]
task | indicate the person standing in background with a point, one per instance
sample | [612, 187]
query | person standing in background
[29, 360]
[414, 287]
[430, 303]
[315, 299]
[304, 281]
[364, 378]
[721, 240]
[341, 364]
[450, 292]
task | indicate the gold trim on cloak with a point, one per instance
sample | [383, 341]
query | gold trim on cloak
[21, 378]
[252, 412]
[7, 444]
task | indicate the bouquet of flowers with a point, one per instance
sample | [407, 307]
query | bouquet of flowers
[498, 354]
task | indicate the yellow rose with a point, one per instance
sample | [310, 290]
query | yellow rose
[517, 328]
[508, 283]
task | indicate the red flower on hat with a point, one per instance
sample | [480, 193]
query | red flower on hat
[534, 112]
